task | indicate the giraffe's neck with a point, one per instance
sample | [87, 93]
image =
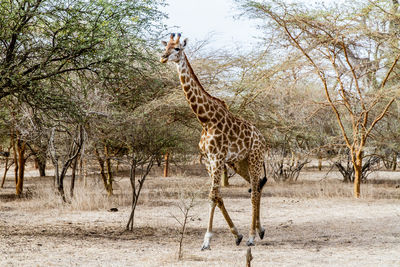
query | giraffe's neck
[201, 102]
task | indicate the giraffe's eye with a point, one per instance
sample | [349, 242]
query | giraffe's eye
[177, 49]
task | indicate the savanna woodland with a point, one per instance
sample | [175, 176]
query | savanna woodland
[99, 157]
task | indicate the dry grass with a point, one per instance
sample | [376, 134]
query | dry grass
[40, 192]
[314, 222]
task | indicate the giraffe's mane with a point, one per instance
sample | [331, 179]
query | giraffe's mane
[199, 84]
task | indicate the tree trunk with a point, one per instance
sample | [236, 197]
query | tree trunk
[73, 176]
[136, 190]
[61, 186]
[225, 180]
[166, 166]
[103, 173]
[394, 166]
[83, 172]
[21, 147]
[109, 172]
[14, 146]
[6, 167]
[41, 164]
[357, 174]
[5, 173]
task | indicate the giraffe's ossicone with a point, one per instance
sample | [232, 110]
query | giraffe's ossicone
[225, 139]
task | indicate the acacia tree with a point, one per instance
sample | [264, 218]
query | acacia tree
[41, 39]
[48, 46]
[146, 140]
[71, 142]
[349, 57]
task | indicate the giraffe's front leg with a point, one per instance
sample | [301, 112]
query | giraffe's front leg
[208, 235]
[215, 168]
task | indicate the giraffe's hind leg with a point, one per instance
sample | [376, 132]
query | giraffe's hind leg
[215, 168]
[260, 229]
[255, 166]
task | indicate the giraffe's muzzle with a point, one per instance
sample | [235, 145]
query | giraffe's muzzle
[164, 59]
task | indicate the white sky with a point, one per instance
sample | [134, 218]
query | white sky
[197, 19]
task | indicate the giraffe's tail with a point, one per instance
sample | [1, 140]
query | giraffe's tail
[262, 181]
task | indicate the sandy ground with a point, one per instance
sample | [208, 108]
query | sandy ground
[300, 231]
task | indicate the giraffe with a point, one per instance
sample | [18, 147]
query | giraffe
[225, 139]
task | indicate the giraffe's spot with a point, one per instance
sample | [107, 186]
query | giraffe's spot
[182, 78]
[212, 149]
[192, 83]
[220, 126]
[202, 119]
[241, 136]
[186, 88]
[187, 79]
[214, 120]
[201, 110]
[189, 94]
[207, 107]
[235, 128]
[218, 140]
[194, 106]
[200, 100]
[192, 99]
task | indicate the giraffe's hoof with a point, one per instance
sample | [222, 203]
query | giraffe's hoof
[239, 239]
[205, 247]
[261, 233]
[250, 242]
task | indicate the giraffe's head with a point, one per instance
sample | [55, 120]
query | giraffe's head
[173, 49]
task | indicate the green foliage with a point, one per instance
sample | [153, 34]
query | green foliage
[41, 40]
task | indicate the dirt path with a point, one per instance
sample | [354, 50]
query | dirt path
[299, 232]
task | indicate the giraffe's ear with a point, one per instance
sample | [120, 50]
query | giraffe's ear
[164, 43]
[185, 42]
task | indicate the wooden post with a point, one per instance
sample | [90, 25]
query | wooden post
[249, 257]
[166, 165]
